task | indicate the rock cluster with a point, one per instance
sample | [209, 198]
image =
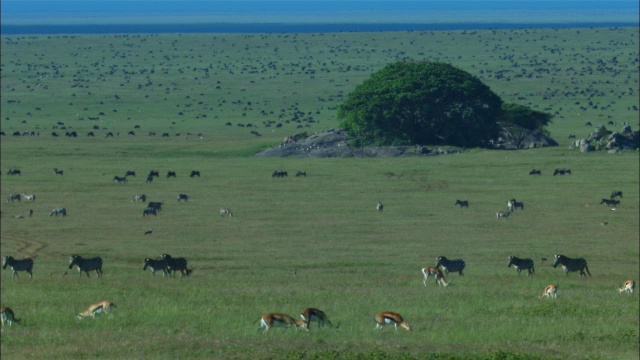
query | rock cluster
[612, 141]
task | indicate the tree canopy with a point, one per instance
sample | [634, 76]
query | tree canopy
[518, 122]
[408, 103]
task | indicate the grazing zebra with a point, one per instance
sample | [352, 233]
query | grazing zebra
[184, 197]
[225, 211]
[120, 180]
[58, 211]
[551, 291]
[521, 264]
[379, 207]
[502, 214]
[629, 286]
[86, 265]
[14, 197]
[29, 197]
[450, 265]
[150, 211]
[156, 265]
[514, 205]
[462, 203]
[176, 264]
[8, 316]
[616, 193]
[569, 264]
[137, 198]
[25, 264]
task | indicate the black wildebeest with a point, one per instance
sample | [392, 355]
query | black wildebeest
[120, 180]
[610, 202]
[616, 193]
[171, 174]
[279, 174]
[155, 205]
[301, 173]
[149, 179]
[184, 197]
[195, 173]
[562, 172]
[58, 171]
[14, 172]
[154, 173]
[130, 173]
[535, 172]
[462, 203]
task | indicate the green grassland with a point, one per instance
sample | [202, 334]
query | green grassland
[314, 241]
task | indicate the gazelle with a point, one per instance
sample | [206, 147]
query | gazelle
[388, 317]
[550, 291]
[8, 316]
[104, 306]
[269, 320]
[435, 272]
[310, 314]
[629, 286]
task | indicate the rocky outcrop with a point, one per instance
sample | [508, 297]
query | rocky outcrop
[611, 141]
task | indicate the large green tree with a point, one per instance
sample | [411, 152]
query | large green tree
[429, 103]
[519, 122]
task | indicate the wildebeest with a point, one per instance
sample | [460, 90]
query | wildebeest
[130, 173]
[171, 174]
[462, 203]
[58, 211]
[610, 202]
[616, 193]
[184, 197]
[120, 180]
[149, 211]
[58, 171]
[281, 173]
[141, 197]
[562, 172]
[535, 172]
[149, 179]
[195, 173]
[14, 197]
[14, 172]
[301, 173]
[154, 173]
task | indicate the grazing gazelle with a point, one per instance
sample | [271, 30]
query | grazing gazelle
[550, 291]
[435, 272]
[628, 286]
[310, 314]
[8, 316]
[225, 211]
[104, 306]
[269, 320]
[388, 317]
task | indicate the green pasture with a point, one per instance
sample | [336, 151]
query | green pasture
[314, 241]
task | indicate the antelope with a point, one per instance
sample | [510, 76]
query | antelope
[550, 291]
[310, 314]
[628, 286]
[225, 211]
[435, 272]
[104, 306]
[269, 320]
[8, 316]
[388, 317]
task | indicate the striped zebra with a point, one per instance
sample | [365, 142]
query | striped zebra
[569, 264]
[25, 264]
[156, 265]
[58, 211]
[521, 264]
[225, 211]
[379, 207]
[450, 265]
[86, 265]
[176, 264]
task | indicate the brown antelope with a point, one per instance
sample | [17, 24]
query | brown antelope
[388, 317]
[104, 306]
[225, 211]
[629, 286]
[435, 272]
[8, 316]
[550, 291]
[310, 314]
[269, 320]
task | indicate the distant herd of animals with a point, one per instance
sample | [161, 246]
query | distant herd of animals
[170, 265]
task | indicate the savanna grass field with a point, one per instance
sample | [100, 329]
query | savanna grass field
[314, 241]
